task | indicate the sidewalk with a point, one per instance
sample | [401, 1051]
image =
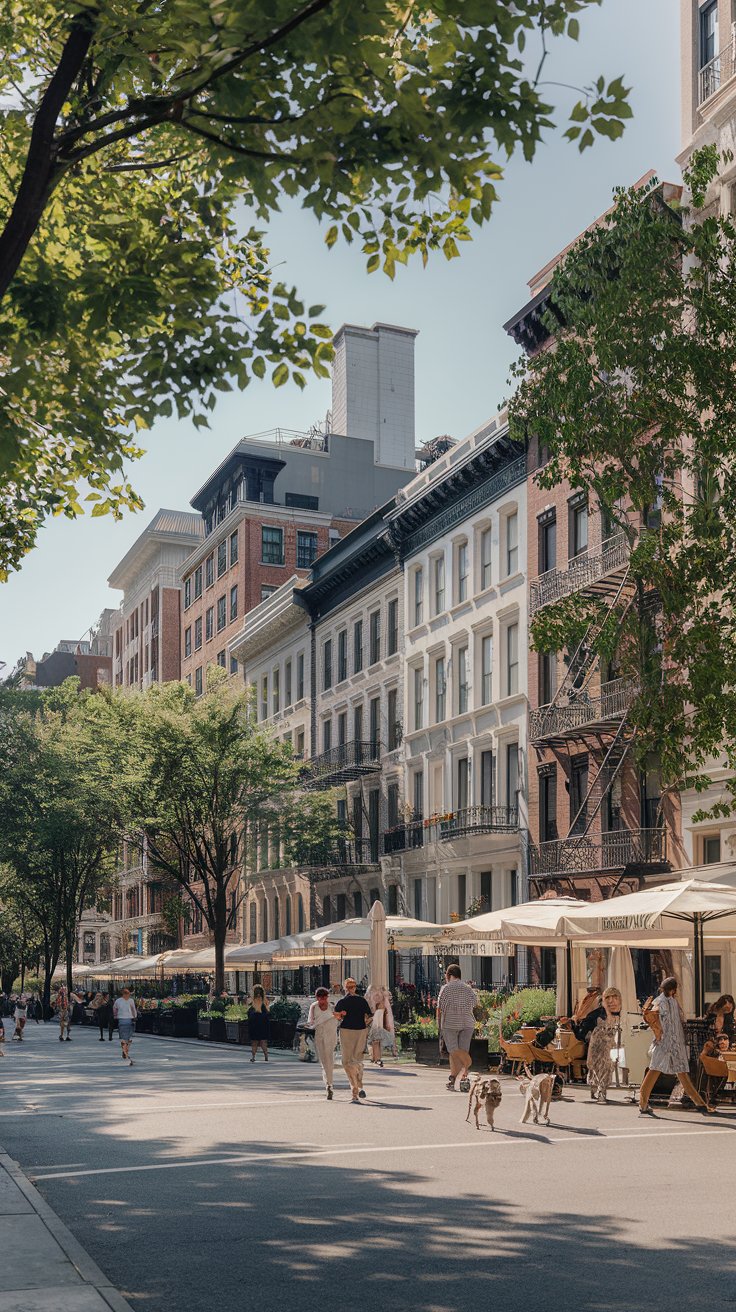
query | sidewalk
[43, 1268]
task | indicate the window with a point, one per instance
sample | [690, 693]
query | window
[234, 602]
[300, 913]
[462, 896]
[198, 633]
[267, 591]
[577, 527]
[578, 791]
[462, 680]
[221, 659]
[512, 543]
[392, 625]
[418, 595]
[188, 642]
[394, 728]
[342, 909]
[209, 623]
[187, 593]
[547, 677]
[358, 723]
[708, 41]
[712, 974]
[439, 585]
[462, 572]
[547, 541]
[209, 571]
[374, 813]
[264, 697]
[233, 549]
[417, 898]
[463, 777]
[221, 559]
[327, 665]
[198, 680]
[512, 774]
[358, 904]
[374, 721]
[299, 752]
[306, 549]
[487, 780]
[357, 646]
[440, 689]
[287, 683]
[272, 546]
[326, 735]
[418, 786]
[276, 690]
[342, 655]
[342, 728]
[374, 640]
[221, 613]
[418, 699]
[327, 910]
[393, 899]
[548, 804]
[233, 664]
[486, 670]
[485, 558]
[711, 849]
[300, 676]
[392, 805]
[198, 581]
[512, 659]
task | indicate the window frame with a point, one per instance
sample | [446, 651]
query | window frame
[269, 544]
[221, 612]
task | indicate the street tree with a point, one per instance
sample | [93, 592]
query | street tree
[143, 147]
[209, 778]
[634, 401]
[63, 789]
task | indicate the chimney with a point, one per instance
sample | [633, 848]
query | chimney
[373, 390]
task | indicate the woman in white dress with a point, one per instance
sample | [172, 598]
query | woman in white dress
[323, 1021]
[668, 1053]
[382, 1032]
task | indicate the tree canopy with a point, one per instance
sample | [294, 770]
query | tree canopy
[132, 285]
[634, 401]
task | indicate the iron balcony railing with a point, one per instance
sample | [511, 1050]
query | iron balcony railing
[717, 71]
[588, 854]
[346, 761]
[582, 711]
[451, 824]
[339, 854]
[581, 572]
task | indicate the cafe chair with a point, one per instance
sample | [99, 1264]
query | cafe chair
[565, 1060]
[518, 1055]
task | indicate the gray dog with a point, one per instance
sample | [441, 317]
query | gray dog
[484, 1091]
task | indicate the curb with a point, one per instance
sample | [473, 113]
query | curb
[71, 1248]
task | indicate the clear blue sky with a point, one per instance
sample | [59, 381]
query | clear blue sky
[462, 353]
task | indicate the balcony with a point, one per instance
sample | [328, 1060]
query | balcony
[342, 763]
[453, 824]
[596, 573]
[615, 851]
[553, 724]
[333, 859]
[716, 72]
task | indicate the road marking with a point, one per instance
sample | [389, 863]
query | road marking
[155, 1110]
[373, 1150]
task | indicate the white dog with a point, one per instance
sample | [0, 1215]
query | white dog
[537, 1097]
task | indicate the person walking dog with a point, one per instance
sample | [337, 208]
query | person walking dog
[125, 1013]
[323, 1021]
[456, 1023]
[354, 1014]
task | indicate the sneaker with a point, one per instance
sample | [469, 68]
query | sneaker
[645, 1111]
[465, 1086]
[451, 1085]
[130, 1061]
[362, 1093]
[68, 1038]
[355, 1098]
[330, 1093]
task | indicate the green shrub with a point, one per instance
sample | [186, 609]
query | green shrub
[527, 1007]
[217, 1006]
[417, 1029]
[282, 1009]
[236, 1011]
[196, 1000]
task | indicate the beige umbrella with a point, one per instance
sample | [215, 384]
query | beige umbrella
[621, 977]
[378, 949]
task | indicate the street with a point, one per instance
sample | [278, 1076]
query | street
[197, 1180]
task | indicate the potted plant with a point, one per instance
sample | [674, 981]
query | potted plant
[184, 1015]
[423, 1036]
[236, 1023]
[211, 1024]
[285, 1016]
[147, 1009]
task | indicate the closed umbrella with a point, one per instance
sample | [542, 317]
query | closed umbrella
[621, 977]
[378, 948]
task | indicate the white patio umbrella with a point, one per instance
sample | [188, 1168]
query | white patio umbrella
[378, 949]
[621, 977]
[142, 967]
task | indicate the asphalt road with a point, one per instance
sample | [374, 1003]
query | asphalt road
[198, 1181]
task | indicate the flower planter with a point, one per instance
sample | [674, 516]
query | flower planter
[144, 1022]
[282, 1033]
[479, 1054]
[166, 1024]
[213, 1029]
[236, 1031]
[185, 1022]
[428, 1052]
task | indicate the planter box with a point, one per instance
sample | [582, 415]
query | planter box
[479, 1054]
[282, 1033]
[166, 1024]
[144, 1022]
[211, 1029]
[494, 1060]
[236, 1031]
[185, 1022]
[428, 1052]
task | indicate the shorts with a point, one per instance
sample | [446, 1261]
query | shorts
[126, 1030]
[457, 1039]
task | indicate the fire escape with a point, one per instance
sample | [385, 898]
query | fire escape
[588, 721]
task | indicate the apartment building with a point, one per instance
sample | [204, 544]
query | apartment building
[129, 917]
[146, 630]
[708, 86]
[282, 499]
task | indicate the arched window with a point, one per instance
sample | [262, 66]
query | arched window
[300, 913]
[104, 947]
[264, 921]
[288, 914]
[253, 926]
[276, 918]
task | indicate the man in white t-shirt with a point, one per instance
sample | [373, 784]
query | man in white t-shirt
[324, 1022]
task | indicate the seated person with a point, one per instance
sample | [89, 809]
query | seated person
[713, 1047]
[586, 1015]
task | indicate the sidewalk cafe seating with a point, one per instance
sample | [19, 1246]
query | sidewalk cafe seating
[518, 1054]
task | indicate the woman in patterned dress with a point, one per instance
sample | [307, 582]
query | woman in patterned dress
[605, 1036]
[668, 1053]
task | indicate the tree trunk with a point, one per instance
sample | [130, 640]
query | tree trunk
[8, 977]
[48, 970]
[220, 931]
[69, 940]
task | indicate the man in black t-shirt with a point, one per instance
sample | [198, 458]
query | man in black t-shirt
[354, 1015]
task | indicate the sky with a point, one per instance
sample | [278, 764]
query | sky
[459, 307]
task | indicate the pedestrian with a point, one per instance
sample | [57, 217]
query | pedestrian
[19, 1015]
[125, 1013]
[259, 1023]
[61, 1007]
[668, 1052]
[323, 1021]
[2, 1036]
[381, 1033]
[456, 1024]
[354, 1014]
[101, 1007]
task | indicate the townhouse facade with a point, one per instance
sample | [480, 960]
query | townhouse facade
[131, 917]
[708, 91]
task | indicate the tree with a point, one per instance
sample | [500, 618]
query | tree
[209, 776]
[135, 134]
[62, 793]
[634, 401]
